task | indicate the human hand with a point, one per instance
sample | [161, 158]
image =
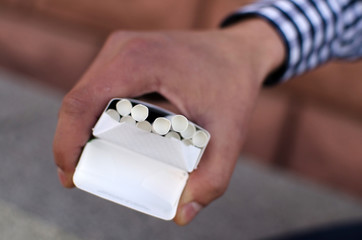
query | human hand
[211, 77]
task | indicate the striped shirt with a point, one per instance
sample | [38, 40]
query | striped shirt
[314, 31]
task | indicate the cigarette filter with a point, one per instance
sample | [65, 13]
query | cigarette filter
[189, 132]
[161, 125]
[139, 112]
[144, 125]
[179, 123]
[113, 114]
[187, 142]
[200, 139]
[128, 119]
[173, 134]
[124, 107]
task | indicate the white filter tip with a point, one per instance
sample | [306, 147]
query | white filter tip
[113, 114]
[200, 139]
[124, 107]
[189, 132]
[187, 142]
[144, 125]
[179, 123]
[139, 112]
[173, 134]
[161, 125]
[128, 119]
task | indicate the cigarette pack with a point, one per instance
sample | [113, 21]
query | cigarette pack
[139, 169]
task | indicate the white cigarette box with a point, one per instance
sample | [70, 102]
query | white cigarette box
[136, 168]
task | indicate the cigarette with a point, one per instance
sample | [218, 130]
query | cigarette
[128, 119]
[173, 134]
[179, 123]
[113, 114]
[144, 125]
[139, 112]
[189, 132]
[200, 139]
[161, 125]
[187, 142]
[124, 107]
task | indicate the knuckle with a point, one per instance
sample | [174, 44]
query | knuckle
[140, 60]
[115, 37]
[140, 43]
[142, 49]
[131, 59]
[75, 103]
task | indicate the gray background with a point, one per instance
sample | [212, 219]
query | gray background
[259, 203]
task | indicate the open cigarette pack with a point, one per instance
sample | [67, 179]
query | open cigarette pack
[140, 156]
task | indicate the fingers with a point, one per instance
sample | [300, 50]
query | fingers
[77, 116]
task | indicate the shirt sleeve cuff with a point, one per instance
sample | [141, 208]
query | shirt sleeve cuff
[295, 28]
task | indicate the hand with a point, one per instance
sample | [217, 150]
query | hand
[212, 77]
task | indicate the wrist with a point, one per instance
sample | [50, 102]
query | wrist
[256, 38]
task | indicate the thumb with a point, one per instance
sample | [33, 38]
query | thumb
[210, 180]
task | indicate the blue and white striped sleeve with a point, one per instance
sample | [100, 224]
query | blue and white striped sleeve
[314, 31]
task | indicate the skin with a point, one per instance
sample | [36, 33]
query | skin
[211, 77]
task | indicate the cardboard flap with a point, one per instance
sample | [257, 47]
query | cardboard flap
[167, 150]
[104, 123]
[129, 178]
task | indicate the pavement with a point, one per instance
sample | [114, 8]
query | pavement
[259, 203]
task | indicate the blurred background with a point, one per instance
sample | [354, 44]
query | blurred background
[309, 130]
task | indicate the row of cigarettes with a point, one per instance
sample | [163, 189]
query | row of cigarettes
[173, 126]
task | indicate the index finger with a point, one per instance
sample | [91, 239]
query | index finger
[78, 114]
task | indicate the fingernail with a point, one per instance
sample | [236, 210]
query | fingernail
[189, 211]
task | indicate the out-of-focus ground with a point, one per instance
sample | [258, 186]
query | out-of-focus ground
[310, 126]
